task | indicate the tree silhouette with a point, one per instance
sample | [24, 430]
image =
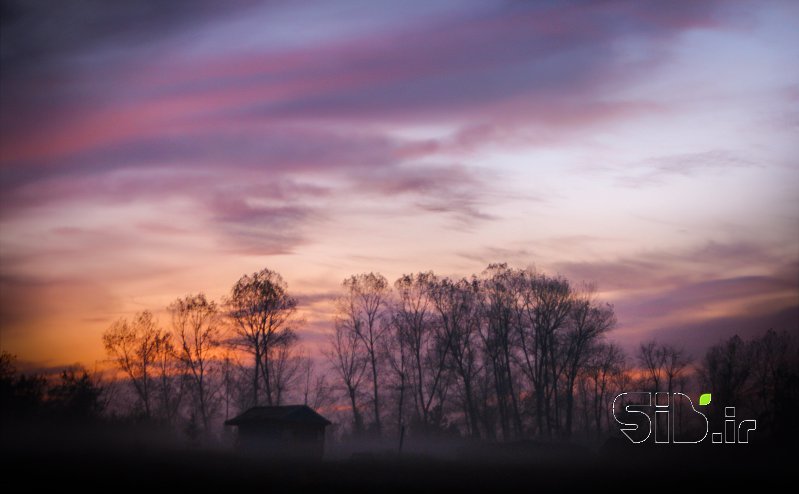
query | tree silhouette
[76, 397]
[196, 323]
[261, 311]
[361, 310]
[349, 362]
[134, 346]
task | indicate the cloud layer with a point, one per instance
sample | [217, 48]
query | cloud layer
[150, 150]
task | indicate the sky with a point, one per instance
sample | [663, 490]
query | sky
[151, 149]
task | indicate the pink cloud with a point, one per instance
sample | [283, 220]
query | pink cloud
[257, 149]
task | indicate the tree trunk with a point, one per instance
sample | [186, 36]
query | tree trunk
[255, 378]
[356, 415]
[378, 427]
[569, 406]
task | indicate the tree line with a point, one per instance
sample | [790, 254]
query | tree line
[509, 354]
[216, 359]
[495, 356]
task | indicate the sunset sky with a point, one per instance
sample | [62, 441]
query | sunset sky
[153, 150]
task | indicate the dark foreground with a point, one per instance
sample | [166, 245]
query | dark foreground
[689, 468]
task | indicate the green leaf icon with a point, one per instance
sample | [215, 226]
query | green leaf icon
[704, 399]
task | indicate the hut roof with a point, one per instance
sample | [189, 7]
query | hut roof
[289, 413]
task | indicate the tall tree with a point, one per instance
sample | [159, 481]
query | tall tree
[726, 368]
[605, 363]
[398, 356]
[541, 306]
[134, 347]
[261, 311]
[349, 362]
[775, 381]
[663, 364]
[499, 340]
[169, 382]
[588, 321]
[196, 324]
[415, 327]
[315, 389]
[230, 370]
[650, 359]
[361, 310]
[457, 304]
[284, 366]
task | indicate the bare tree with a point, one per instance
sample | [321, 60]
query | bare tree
[133, 346]
[499, 337]
[261, 310]
[316, 392]
[775, 374]
[663, 364]
[350, 362]
[604, 365]
[230, 369]
[458, 306]
[726, 368]
[169, 384]
[361, 309]
[427, 349]
[589, 320]
[284, 368]
[545, 305]
[397, 353]
[676, 361]
[650, 357]
[196, 324]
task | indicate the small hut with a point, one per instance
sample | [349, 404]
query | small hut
[290, 432]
